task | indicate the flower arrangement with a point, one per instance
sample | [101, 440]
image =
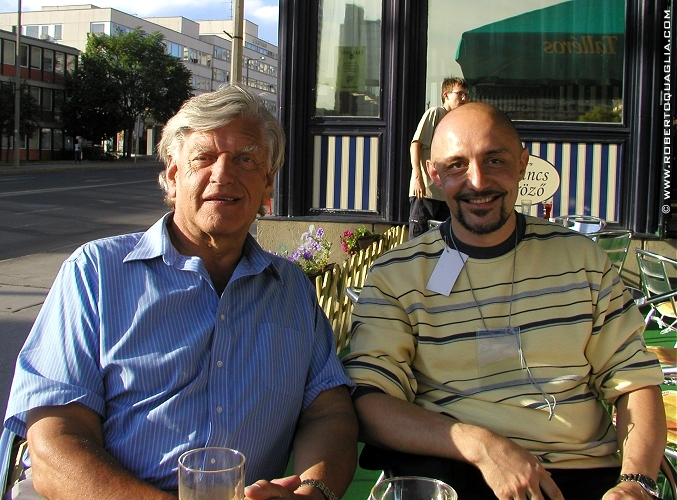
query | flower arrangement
[349, 239]
[312, 254]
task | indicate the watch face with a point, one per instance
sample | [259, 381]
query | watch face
[649, 484]
[645, 482]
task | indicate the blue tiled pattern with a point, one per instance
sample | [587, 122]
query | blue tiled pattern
[589, 177]
[345, 172]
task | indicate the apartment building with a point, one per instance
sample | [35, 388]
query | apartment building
[43, 67]
[203, 46]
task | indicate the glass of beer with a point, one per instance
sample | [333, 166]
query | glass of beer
[211, 474]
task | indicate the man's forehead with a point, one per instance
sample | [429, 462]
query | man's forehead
[249, 136]
[457, 137]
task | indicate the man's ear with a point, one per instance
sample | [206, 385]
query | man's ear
[524, 161]
[172, 170]
[270, 182]
[432, 172]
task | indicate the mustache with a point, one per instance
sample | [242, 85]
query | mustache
[470, 194]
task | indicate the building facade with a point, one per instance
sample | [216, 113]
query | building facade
[203, 46]
[43, 68]
[587, 83]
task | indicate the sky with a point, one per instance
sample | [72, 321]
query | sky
[264, 13]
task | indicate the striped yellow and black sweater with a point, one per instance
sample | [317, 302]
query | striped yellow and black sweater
[580, 333]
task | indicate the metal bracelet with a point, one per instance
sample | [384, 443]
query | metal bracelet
[326, 492]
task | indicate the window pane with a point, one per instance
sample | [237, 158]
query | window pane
[174, 49]
[58, 30]
[46, 139]
[536, 60]
[71, 63]
[35, 92]
[349, 58]
[115, 28]
[58, 104]
[48, 60]
[36, 57]
[59, 62]
[47, 99]
[23, 51]
[8, 52]
[32, 31]
[58, 139]
[97, 28]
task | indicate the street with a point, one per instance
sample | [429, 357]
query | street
[44, 217]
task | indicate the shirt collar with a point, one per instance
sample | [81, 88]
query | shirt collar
[486, 252]
[156, 243]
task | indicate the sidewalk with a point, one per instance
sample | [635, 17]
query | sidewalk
[7, 168]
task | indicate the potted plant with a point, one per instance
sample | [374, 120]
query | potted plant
[312, 254]
[358, 239]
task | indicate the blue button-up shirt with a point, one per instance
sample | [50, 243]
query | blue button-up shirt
[136, 332]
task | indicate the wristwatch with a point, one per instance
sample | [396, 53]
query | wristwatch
[645, 482]
[326, 492]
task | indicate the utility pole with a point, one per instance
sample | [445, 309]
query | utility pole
[238, 38]
[17, 88]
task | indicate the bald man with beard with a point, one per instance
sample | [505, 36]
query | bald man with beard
[484, 351]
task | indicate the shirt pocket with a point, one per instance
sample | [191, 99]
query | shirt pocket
[284, 358]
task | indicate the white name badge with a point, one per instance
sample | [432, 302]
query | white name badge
[446, 271]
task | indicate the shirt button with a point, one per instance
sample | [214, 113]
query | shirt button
[219, 409]
[219, 364]
[222, 317]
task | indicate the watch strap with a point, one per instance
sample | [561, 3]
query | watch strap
[647, 484]
[326, 492]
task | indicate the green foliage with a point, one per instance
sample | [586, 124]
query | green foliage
[120, 77]
[6, 109]
[312, 254]
[601, 114]
[91, 108]
[349, 239]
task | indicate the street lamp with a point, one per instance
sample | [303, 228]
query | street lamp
[246, 61]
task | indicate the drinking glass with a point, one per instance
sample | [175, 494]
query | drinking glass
[547, 208]
[412, 488]
[211, 474]
[526, 207]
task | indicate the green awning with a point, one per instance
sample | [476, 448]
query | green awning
[575, 42]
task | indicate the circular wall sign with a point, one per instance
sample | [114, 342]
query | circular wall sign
[540, 182]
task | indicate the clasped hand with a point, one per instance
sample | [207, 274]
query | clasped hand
[277, 488]
[626, 490]
[515, 474]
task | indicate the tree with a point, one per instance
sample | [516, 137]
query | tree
[28, 111]
[120, 77]
[91, 109]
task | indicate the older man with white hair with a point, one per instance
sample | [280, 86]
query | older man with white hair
[185, 336]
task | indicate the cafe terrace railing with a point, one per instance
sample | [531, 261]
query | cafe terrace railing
[331, 285]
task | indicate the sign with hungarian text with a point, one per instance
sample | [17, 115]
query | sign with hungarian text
[541, 181]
